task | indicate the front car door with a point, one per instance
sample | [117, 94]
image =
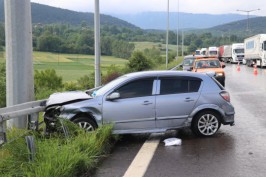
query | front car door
[176, 99]
[135, 109]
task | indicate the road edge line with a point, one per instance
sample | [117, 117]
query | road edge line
[140, 163]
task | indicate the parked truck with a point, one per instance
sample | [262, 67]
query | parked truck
[203, 51]
[232, 53]
[221, 52]
[213, 52]
[255, 50]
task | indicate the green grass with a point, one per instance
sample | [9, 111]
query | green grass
[56, 155]
[71, 66]
[142, 45]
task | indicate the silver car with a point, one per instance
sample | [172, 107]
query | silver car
[146, 102]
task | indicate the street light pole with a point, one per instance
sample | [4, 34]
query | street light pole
[97, 43]
[19, 65]
[177, 30]
[183, 43]
[167, 33]
[247, 11]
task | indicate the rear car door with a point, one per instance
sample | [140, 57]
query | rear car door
[176, 99]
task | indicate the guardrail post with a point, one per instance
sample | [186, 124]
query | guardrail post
[31, 147]
[3, 138]
[33, 123]
[65, 129]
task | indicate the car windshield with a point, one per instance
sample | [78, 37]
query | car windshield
[188, 61]
[208, 64]
[213, 53]
[197, 52]
[239, 51]
[109, 86]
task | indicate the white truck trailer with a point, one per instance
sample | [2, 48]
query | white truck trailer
[255, 50]
[233, 53]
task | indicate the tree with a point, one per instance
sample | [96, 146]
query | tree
[192, 48]
[48, 42]
[154, 55]
[138, 62]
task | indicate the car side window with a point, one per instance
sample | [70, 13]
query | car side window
[137, 88]
[173, 86]
[194, 85]
[177, 85]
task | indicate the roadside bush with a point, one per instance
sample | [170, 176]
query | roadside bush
[113, 72]
[71, 86]
[77, 155]
[138, 62]
[2, 85]
[46, 82]
[86, 82]
[154, 55]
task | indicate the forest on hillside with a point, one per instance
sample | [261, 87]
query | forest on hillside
[115, 41]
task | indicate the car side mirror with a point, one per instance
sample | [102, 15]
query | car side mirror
[113, 96]
[191, 68]
[223, 66]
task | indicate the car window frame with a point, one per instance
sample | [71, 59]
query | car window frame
[188, 78]
[154, 78]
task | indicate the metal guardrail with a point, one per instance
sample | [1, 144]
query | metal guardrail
[12, 112]
[174, 68]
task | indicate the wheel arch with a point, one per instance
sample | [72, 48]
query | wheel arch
[207, 109]
[87, 115]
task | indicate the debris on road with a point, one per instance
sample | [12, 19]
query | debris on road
[172, 142]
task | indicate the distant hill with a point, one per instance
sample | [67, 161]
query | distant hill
[157, 20]
[257, 25]
[47, 14]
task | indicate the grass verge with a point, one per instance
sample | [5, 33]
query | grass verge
[76, 155]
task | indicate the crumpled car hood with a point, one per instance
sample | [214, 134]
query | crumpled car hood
[66, 97]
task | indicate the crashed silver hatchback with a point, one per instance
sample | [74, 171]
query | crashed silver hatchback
[146, 102]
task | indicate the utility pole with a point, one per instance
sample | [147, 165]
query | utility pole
[247, 11]
[177, 30]
[97, 44]
[19, 66]
[182, 43]
[167, 33]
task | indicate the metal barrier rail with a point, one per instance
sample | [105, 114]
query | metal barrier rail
[174, 68]
[24, 109]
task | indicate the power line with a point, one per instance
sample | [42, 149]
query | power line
[247, 11]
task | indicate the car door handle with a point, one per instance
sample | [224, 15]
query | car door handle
[188, 99]
[146, 103]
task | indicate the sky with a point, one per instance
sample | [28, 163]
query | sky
[137, 6]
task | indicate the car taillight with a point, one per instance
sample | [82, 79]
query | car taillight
[225, 96]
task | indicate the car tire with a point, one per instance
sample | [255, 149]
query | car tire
[206, 123]
[86, 123]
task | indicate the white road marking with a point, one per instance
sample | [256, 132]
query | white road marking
[142, 160]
